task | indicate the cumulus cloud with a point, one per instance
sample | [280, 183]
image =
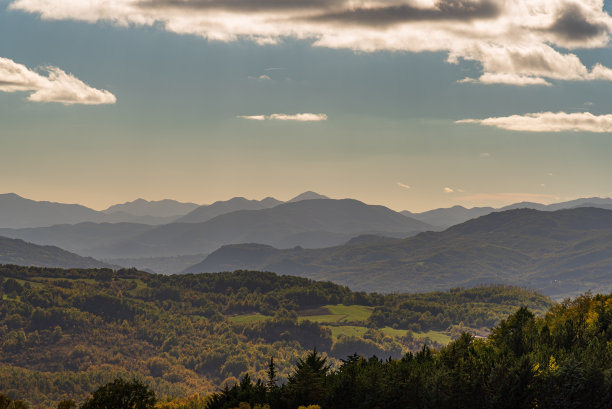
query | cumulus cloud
[448, 190]
[518, 42]
[305, 117]
[56, 86]
[400, 184]
[549, 122]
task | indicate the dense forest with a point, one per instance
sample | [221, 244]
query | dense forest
[65, 332]
[560, 360]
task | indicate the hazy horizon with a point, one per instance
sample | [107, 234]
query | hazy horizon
[286, 199]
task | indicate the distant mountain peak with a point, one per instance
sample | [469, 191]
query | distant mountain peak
[207, 212]
[11, 195]
[155, 208]
[309, 195]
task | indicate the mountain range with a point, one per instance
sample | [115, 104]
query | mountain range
[447, 217]
[160, 208]
[364, 246]
[306, 223]
[205, 213]
[561, 253]
[17, 212]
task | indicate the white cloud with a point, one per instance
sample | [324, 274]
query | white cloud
[305, 117]
[253, 117]
[518, 42]
[57, 86]
[548, 122]
[448, 190]
[400, 184]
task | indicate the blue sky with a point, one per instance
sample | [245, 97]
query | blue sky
[156, 113]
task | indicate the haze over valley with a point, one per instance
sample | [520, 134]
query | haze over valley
[561, 249]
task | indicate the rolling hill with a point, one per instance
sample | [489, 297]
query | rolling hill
[447, 217]
[19, 252]
[81, 237]
[558, 252]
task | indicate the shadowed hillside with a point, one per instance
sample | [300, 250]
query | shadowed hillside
[560, 253]
[19, 252]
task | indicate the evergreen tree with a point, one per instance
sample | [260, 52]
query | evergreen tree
[307, 385]
[272, 381]
[122, 394]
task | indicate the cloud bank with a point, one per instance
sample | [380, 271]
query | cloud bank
[518, 42]
[306, 117]
[549, 122]
[57, 86]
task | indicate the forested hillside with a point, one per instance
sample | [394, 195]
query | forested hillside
[64, 332]
[561, 253]
[560, 361]
[15, 251]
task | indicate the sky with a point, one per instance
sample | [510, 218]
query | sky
[412, 104]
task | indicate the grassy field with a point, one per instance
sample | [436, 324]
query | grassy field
[347, 330]
[394, 332]
[439, 337]
[336, 314]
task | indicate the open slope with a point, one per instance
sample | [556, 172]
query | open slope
[561, 253]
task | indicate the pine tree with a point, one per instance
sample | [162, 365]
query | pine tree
[271, 384]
